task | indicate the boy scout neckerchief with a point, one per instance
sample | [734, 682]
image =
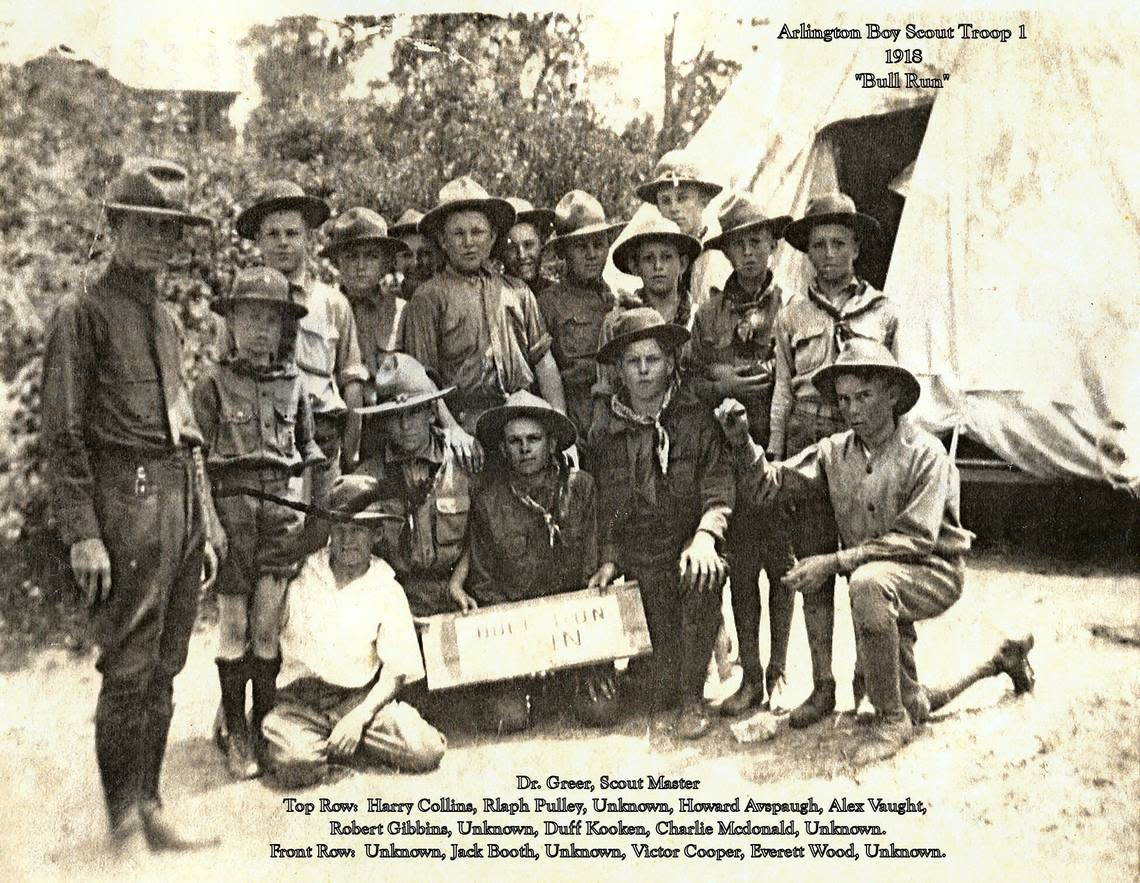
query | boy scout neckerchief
[549, 516]
[843, 332]
[638, 444]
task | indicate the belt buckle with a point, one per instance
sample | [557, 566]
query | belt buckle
[140, 481]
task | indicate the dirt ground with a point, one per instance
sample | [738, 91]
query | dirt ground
[1043, 787]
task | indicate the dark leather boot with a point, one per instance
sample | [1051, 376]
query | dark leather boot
[162, 835]
[240, 760]
[819, 619]
[263, 673]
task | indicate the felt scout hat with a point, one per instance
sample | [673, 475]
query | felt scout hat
[742, 211]
[578, 215]
[402, 383]
[406, 224]
[654, 227]
[640, 323]
[467, 194]
[360, 225]
[280, 196]
[673, 169]
[831, 208]
[861, 355]
[525, 213]
[155, 187]
[260, 285]
[355, 498]
[490, 426]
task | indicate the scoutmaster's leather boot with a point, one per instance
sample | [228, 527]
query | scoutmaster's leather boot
[819, 618]
[235, 741]
[892, 727]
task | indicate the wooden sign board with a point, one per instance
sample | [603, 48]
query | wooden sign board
[528, 637]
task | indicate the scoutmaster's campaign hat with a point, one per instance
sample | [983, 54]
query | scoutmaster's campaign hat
[155, 187]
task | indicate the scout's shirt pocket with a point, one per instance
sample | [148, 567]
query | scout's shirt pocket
[451, 520]
[810, 348]
[285, 420]
[237, 427]
[579, 337]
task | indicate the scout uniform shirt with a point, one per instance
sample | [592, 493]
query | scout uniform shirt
[379, 327]
[737, 329]
[809, 332]
[112, 384]
[343, 635]
[481, 333]
[255, 417]
[897, 503]
[529, 543]
[432, 493]
[327, 349]
[574, 314]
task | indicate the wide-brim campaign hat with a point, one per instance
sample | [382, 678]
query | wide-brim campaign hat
[154, 187]
[281, 196]
[402, 383]
[260, 285]
[358, 226]
[831, 208]
[861, 355]
[542, 219]
[674, 169]
[641, 323]
[354, 498]
[467, 194]
[407, 224]
[578, 215]
[654, 227]
[743, 212]
[489, 428]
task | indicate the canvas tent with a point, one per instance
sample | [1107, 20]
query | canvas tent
[1011, 200]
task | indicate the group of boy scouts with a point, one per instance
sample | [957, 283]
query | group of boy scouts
[450, 430]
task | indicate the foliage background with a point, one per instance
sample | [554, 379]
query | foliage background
[497, 98]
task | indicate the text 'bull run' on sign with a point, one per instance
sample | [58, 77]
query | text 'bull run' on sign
[527, 637]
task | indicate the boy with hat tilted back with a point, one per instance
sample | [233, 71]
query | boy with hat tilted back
[732, 356]
[258, 430]
[576, 307]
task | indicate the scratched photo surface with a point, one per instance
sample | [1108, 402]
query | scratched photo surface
[989, 158]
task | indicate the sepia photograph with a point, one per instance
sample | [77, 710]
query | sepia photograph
[569, 441]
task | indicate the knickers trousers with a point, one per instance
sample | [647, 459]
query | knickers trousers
[297, 730]
[153, 527]
[893, 595]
